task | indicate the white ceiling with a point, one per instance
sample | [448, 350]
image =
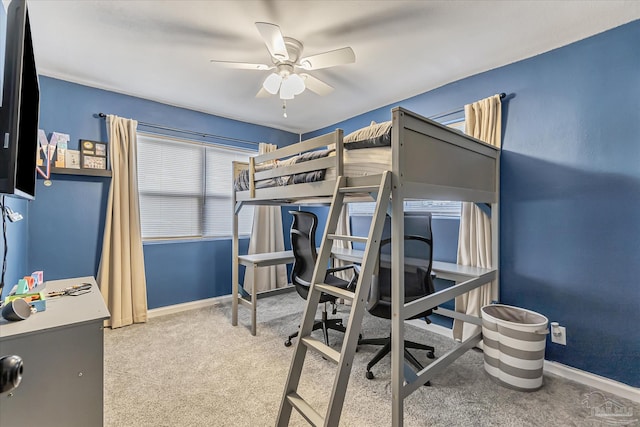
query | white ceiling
[160, 50]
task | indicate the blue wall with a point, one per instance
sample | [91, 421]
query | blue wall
[66, 220]
[570, 183]
[188, 271]
[570, 205]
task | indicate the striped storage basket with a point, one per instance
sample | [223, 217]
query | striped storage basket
[514, 342]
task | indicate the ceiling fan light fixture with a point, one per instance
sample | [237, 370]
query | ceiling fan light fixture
[297, 83]
[272, 83]
[291, 85]
[285, 93]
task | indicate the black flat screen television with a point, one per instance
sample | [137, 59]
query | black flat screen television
[20, 106]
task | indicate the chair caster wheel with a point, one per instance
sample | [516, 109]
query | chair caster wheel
[287, 343]
[430, 355]
[369, 375]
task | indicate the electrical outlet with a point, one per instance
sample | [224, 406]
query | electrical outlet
[559, 334]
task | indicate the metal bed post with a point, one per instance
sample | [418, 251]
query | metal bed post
[397, 272]
[234, 253]
[495, 232]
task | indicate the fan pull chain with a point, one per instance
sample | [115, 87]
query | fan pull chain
[284, 108]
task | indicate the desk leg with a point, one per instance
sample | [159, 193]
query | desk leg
[234, 295]
[254, 302]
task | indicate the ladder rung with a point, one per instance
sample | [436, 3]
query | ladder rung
[305, 409]
[335, 291]
[361, 189]
[349, 238]
[322, 348]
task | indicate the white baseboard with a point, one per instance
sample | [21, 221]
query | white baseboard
[177, 308]
[592, 380]
[431, 327]
[563, 371]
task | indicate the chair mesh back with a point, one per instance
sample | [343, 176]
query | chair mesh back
[303, 237]
[417, 282]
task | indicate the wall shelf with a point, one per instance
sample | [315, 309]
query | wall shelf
[86, 172]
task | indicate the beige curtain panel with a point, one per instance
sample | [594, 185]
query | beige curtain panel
[483, 120]
[266, 236]
[121, 276]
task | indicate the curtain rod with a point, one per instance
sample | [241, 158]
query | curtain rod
[459, 110]
[189, 132]
[226, 138]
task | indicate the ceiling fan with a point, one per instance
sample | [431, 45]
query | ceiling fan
[287, 61]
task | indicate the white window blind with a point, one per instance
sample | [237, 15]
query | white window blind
[437, 208]
[218, 211]
[185, 188]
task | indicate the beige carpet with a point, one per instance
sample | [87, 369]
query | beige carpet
[195, 369]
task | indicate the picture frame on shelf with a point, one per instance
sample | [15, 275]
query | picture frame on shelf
[93, 155]
[61, 154]
[72, 159]
[93, 162]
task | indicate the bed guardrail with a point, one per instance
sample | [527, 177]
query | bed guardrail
[264, 161]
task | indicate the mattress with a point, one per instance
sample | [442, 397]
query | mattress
[363, 162]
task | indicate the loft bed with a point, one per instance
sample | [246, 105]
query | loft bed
[428, 161]
[436, 161]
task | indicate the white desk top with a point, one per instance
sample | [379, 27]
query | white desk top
[443, 270]
[266, 259]
[61, 311]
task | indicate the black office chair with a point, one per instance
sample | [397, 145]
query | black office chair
[418, 284]
[303, 237]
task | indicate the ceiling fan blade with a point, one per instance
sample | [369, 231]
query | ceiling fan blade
[263, 93]
[272, 37]
[332, 58]
[243, 65]
[315, 85]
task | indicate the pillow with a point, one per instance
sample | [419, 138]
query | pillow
[374, 135]
[374, 130]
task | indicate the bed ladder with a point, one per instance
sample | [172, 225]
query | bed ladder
[380, 187]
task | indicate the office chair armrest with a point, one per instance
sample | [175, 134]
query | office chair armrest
[356, 274]
[344, 267]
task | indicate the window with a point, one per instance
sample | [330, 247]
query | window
[185, 188]
[437, 208]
